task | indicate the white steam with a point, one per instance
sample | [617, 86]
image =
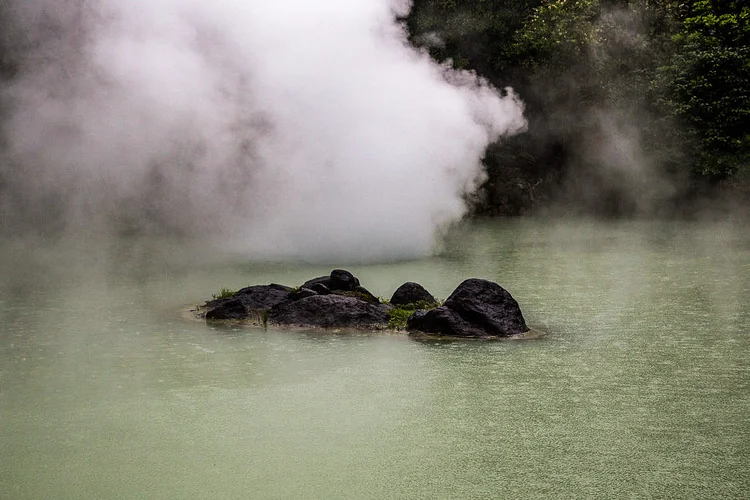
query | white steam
[290, 128]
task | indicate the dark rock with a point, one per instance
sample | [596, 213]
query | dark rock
[329, 311]
[320, 289]
[412, 293]
[343, 280]
[445, 322]
[323, 280]
[339, 279]
[248, 300]
[476, 309]
[488, 306]
[229, 308]
[416, 316]
[263, 296]
[366, 295]
[302, 293]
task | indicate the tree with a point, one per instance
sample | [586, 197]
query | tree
[666, 79]
[706, 85]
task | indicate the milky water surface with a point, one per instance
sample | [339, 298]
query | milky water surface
[639, 386]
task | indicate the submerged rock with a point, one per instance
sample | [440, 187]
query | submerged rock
[477, 308]
[329, 311]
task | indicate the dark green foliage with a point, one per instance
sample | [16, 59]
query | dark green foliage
[398, 316]
[706, 84]
[473, 34]
[557, 33]
[669, 78]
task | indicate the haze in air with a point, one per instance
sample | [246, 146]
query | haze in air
[321, 134]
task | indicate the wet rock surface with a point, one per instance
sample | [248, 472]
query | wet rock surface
[412, 293]
[229, 308]
[330, 311]
[339, 279]
[248, 301]
[477, 308]
[443, 322]
[343, 280]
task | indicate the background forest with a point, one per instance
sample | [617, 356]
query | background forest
[635, 107]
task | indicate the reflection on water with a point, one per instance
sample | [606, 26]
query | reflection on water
[639, 388]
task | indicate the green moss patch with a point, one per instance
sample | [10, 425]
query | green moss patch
[399, 315]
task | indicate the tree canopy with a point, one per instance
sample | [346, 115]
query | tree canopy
[668, 81]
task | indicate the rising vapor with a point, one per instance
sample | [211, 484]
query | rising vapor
[288, 128]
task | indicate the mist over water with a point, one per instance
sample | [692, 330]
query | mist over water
[284, 129]
[638, 388]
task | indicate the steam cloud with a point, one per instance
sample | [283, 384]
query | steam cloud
[290, 128]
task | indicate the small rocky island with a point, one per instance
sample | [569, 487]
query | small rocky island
[477, 308]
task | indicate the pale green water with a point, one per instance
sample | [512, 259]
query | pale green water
[641, 387]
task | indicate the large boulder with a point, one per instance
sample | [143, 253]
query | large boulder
[263, 296]
[489, 305]
[329, 311]
[248, 301]
[412, 293]
[477, 308]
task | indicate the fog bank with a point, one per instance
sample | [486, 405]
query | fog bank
[284, 129]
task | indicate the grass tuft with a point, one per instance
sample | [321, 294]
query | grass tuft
[224, 293]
